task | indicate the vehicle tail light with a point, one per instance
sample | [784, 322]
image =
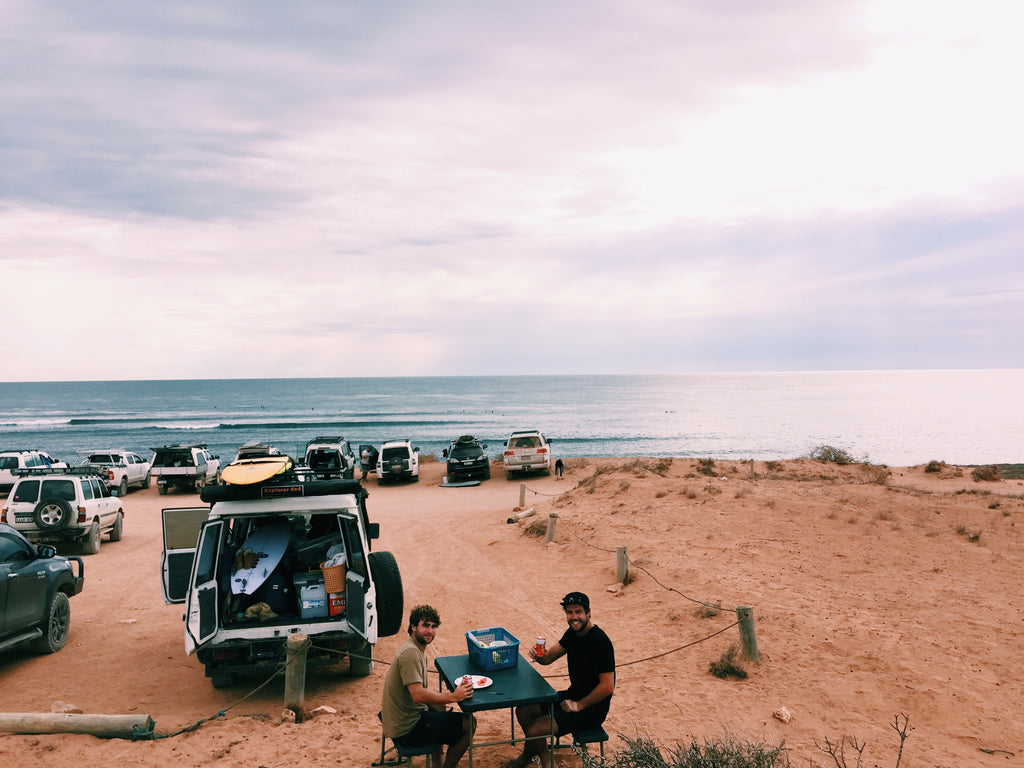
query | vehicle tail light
[510, 453]
[542, 450]
[81, 514]
[110, 474]
[3, 515]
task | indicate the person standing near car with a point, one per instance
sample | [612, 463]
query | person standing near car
[412, 713]
[585, 704]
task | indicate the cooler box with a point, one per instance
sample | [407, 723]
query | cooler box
[312, 594]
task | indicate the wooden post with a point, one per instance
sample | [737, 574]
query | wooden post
[526, 513]
[622, 565]
[748, 637]
[752, 469]
[552, 518]
[295, 673]
[522, 495]
[106, 726]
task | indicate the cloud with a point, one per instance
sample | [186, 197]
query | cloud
[461, 189]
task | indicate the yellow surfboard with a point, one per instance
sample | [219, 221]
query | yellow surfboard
[249, 471]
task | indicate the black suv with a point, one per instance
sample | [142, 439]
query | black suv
[35, 585]
[466, 459]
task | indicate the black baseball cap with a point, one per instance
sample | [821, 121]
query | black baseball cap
[576, 598]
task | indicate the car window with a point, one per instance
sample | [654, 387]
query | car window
[100, 458]
[12, 550]
[99, 489]
[9, 462]
[396, 453]
[61, 489]
[27, 491]
[86, 489]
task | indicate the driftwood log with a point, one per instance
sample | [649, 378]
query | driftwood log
[106, 726]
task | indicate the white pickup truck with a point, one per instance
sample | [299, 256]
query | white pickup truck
[121, 469]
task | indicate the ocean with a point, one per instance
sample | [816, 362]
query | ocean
[899, 418]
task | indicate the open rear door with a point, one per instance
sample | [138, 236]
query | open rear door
[201, 616]
[181, 532]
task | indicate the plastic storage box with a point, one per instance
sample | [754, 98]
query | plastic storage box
[312, 594]
[492, 648]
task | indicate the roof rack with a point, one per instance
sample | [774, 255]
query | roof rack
[83, 471]
[326, 439]
[182, 446]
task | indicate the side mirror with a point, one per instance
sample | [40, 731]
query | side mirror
[373, 530]
[46, 550]
[416, 450]
[444, 453]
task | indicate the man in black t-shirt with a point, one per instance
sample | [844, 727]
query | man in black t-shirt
[585, 704]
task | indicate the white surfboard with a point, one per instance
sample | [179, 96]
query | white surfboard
[269, 544]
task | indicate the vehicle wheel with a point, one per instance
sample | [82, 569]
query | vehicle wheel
[509, 475]
[122, 489]
[145, 483]
[390, 596]
[58, 624]
[487, 474]
[161, 489]
[91, 542]
[52, 514]
[415, 478]
[360, 659]
[221, 679]
[118, 529]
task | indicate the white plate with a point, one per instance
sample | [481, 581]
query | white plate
[479, 681]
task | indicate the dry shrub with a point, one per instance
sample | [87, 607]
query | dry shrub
[537, 527]
[727, 665]
[935, 466]
[706, 467]
[989, 474]
[878, 474]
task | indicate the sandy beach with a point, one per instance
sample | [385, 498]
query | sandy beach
[876, 592]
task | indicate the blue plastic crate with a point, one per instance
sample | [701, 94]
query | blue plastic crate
[486, 656]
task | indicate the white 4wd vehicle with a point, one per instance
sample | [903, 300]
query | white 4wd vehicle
[331, 458]
[64, 504]
[398, 460]
[248, 570]
[527, 450]
[123, 469]
[12, 461]
[185, 465]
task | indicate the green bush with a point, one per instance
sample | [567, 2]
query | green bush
[725, 752]
[831, 455]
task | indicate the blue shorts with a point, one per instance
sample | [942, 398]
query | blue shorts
[434, 728]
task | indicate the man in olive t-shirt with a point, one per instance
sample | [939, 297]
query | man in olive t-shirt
[411, 712]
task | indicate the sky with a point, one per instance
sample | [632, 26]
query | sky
[265, 189]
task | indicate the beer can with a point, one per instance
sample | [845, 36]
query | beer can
[540, 647]
[468, 679]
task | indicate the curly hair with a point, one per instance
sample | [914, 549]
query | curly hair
[423, 613]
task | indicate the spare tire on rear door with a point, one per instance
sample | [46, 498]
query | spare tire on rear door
[52, 514]
[390, 595]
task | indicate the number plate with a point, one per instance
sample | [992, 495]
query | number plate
[23, 518]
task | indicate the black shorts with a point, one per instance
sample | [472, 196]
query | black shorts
[434, 728]
[570, 722]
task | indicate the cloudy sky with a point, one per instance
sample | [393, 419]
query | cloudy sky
[249, 189]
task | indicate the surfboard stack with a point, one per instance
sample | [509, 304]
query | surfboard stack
[255, 470]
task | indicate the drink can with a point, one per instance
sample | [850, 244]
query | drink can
[468, 679]
[540, 647]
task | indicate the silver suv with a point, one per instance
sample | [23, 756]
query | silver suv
[64, 504]
[264, 561]
[527, 450]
